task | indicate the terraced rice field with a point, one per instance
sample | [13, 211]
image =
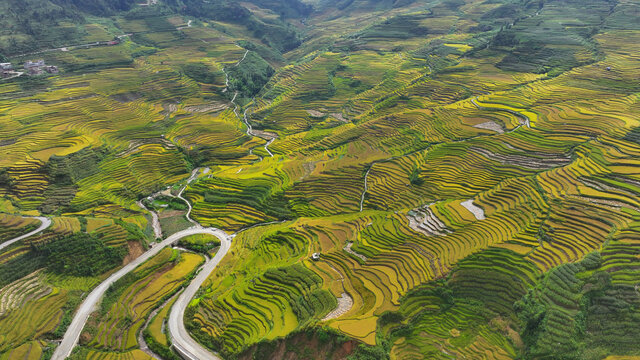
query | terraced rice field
[132, 355]
[29, 308]
[14, 226]
[453, 172]
[127, 307]
[447, 179]
[157, 325]
[28, 351]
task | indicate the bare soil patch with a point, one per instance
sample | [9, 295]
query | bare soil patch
[135, 249]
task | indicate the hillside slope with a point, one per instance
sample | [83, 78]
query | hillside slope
[404, 179]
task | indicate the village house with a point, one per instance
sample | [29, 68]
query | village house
[33, 64]
[51, 69]
[35, 70]
[39, 67]
[6, 66]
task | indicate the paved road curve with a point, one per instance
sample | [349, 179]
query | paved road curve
[90, 303]
[46, 222]
[186, 346]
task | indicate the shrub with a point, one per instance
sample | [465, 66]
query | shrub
[250, 75]
[200, 72]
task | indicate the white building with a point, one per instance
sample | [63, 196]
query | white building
[31, 64]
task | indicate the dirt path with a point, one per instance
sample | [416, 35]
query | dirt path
[194, 175]
[345, 302]
[155, 221]
[143, 344]
[474, 209]
[270, 137]
[187, 26]
[366, 187]
[348, 249]
[70, 47]
[15, 75]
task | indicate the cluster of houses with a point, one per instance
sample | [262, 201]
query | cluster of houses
[37, 67]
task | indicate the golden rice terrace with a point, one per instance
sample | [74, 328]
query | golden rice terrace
[319, 179]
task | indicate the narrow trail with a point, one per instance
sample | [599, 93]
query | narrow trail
[366, 186]
[186, 26]
[70, 47]
[366, 175]
[345, 302]
[252, 133]
[243, 57]
[45, 223]
[194, 175]
[15, 75]
[143, 344]
[155, 221]
[266, 136]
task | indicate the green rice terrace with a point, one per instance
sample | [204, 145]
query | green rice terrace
[319, 179]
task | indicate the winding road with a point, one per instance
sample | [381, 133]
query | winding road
[194, 175]
[251, 132]
[89, 305]
[183, 343]
[46, 222]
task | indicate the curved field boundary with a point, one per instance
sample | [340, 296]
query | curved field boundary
[89, 304]
[46, 222]
[526, 120]
[182, 342]
[529, 120]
